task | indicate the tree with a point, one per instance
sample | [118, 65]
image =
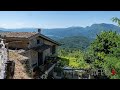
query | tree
[117, 20]
[104, 44]
[104, 53]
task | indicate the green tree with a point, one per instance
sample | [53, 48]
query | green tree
[104, 53]
[104, 44]
[117, 20]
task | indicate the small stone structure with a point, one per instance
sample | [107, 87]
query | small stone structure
[37, 48]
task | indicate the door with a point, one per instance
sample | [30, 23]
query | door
[53, 49]
[40, 58]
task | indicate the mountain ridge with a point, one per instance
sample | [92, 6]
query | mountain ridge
[58, 33]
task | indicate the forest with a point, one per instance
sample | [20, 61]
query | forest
[75, 42]
[101, 53]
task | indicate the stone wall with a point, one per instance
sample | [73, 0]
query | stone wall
[34, 57]
[15, 43]
[46, 53]
[33, 42]
[3, 59]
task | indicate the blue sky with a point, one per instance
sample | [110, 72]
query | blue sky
[54, 19]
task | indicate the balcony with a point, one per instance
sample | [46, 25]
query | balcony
[48, 65]
[49, 62]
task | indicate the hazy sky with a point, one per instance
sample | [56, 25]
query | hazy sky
[54, 19]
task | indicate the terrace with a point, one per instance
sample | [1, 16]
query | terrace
[48, 65]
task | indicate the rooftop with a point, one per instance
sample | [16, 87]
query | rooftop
[26, 35]
[18, 34]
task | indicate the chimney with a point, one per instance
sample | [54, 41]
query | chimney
[39, 30]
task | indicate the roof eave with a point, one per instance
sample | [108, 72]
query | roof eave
[49, 39]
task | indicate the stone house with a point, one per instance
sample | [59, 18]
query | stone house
[38, 46]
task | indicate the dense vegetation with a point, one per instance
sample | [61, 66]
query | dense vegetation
[73, 58]
[75, 43]
[77, 50]
[103, 53]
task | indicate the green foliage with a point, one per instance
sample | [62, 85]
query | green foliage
[74, 43]
[105, 42]
[112, 63]
[72, 59]
[104, 53]
[117, 20]
[64, 61]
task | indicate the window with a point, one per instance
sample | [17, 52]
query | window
[38, 41]
[53, 49]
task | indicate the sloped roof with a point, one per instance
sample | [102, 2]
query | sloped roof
[26, 35]
[18, 34]
[49, 39]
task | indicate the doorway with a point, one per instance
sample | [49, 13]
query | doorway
[40, 58]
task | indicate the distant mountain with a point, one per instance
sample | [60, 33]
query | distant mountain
[97, 28]
[63, 32]
[1, 31]
[72, 37]
[78, 37]
[59, 33]
[89, 31]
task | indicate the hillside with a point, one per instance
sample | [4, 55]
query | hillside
[59, 33]
[72, 37]
[75, 42]
[89, 31]
[97, 28]
[63, 32]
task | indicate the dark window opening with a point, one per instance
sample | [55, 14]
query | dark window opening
[53, 49]
[40, 58]
[34, 65]
[38, 41]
